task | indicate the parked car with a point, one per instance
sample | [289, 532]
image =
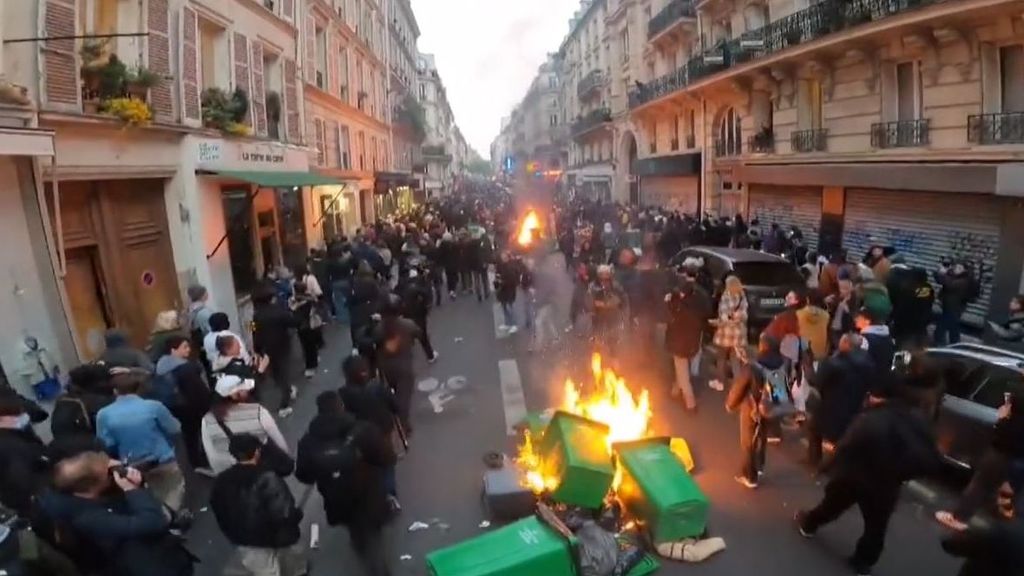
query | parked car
[766, 277]
[976, 378]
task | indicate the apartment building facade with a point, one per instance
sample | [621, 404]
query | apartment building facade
[437, 155]
[402, 51]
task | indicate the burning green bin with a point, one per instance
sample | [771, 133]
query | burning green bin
[528, 547]
[657, 489]
[575, 450]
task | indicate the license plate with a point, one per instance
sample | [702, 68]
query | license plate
[773, 302]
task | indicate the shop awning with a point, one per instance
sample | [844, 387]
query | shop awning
[271, 179]
[26, 142]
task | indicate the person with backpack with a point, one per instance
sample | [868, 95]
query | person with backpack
[257, 513]
[886, 445]
[957, 288]
[179, 384]
[25, 462]
[416, 298]
[842, 382]
[761, 394]
[142, 433]
[310, 328]
[220, 325]
[231, 413]
[73, 422]
[348, 460]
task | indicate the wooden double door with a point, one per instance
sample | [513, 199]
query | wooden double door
[119, 263]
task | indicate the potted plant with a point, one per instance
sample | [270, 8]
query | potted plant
[139, 80]
[222, 112]
[133, 112]
[113, 75]
[92, 54]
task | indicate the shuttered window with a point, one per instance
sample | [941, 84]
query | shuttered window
[321, 144]
[241, 70]
[189, 33]
[259, 97]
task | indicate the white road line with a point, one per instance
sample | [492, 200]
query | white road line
[512, 398]
[499, 319]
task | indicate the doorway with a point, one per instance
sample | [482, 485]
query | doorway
[87, 297]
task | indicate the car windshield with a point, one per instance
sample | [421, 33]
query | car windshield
[767, 273]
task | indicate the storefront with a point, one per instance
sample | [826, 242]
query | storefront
[786, 206]
[595, 182]
[395, 192]
[257, 206]
[670, 182]
[335, 213]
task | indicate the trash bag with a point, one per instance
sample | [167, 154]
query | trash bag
[599, 551]
[629, 557]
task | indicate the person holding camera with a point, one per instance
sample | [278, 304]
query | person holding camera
[257, 513]
[957, 288]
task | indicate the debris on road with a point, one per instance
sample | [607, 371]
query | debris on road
[314, 536]
[485, 524]
[459, 339]
[405, 557]
[417, 526]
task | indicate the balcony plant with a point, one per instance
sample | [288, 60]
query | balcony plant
[222, 111]
[92, 55]
[130, 110]
[764, 138]
[139, 80]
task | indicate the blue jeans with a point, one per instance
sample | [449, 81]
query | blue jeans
[509, 310]
[339, 294]
[947, 328]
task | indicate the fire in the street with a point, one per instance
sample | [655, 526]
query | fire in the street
[530, 223]
[608, 401]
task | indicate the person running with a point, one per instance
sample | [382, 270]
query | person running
[688, 309]
[606, 301]
[508, 275]
[190, 396]
[371, 400]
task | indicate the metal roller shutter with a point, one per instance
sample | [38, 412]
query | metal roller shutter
[927, 227]
[787, 206]
[672, 193]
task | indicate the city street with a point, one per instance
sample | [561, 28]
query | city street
[476, 384]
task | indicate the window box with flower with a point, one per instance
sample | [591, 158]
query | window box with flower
[226, 113]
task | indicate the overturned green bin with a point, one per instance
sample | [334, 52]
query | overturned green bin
[575, 451]
[528, 547]
[658, 490]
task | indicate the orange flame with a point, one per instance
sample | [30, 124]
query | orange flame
[611, 403]
[530, 223]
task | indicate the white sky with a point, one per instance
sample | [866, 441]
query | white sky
[487, 53]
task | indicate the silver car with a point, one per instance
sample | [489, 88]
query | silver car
[977, 379]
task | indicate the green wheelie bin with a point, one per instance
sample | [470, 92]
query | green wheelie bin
[575, 450]
[658, 490]
[528, 547]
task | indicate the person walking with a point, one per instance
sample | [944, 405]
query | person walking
[348, 461]
[842, 306]
[199, 314]
[395, 362]
[885, 446]
[257, 513]
[957, 288]
[448, 259]
[220, 325]
[607, 302]
[416, 299]
[812, 321]
[688, 309]
[371, 400]
[272, 326]
[543, 293]
[753, 380]
[506, 283]
[310, 328]
[26, 460]
[1012, 330]
[142, 433]
[119, 352]
[190, 395]
[993, 469]
[233, 412]
[842, 382]
[730, 329]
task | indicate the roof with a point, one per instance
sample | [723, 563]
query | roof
[738, 254]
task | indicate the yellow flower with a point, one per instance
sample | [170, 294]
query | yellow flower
[237, 129]
[131, 111]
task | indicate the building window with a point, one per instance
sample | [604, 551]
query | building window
[272, 90]
[908, 90]
[554, 120]
[423, 92]
[653, 145]
[98, 17]
[343, 78]
[810, 105]
[624, 43]
[552, 82]
[1011, 78]
[321, 142]
[360, 83]
[362, 150]
[674, 144]
[214, 63]
[730, 134]
[321, 58]
[373, 152]
[691, 129]
[344, 148]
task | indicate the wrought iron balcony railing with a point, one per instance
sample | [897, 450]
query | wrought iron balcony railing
[815, 140]
[674, 11]
[435, 151]
[999, 128]
[824, 18]
[762, 143]
[902, 134]
[728, 147]
[591, 120]
[590, 82]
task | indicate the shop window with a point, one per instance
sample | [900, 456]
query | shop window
[332, 216]
[344, 148]
[291, 226]
[238, 216]
[1011, 78]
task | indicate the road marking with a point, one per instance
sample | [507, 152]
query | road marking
[499, 320]
[512, 398]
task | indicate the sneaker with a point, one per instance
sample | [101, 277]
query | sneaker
[503, 327]
[949, 520]
[451, 295]
[799, 518]
[434, 358]
[294, 393]
[205, 471]
[284, 412]
[716, 385]
[394, 505]
[746, 482]
[513, 329]
[309, 375]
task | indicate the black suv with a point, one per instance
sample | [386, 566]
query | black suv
[766, 278]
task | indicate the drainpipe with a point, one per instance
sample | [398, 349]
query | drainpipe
[702, 182]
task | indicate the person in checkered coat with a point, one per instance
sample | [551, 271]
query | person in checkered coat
[731, 328]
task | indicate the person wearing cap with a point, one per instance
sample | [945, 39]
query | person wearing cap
[257, 513]
[886, 445]
[232, 406]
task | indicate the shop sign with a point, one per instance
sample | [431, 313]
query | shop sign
[229, 155]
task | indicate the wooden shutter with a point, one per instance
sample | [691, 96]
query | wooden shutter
[331, 80]
[60, 62]
[309, 62]
[259, 98]
[321, 149]
[190, 65]
[330, 131]
[291, 101]
[241, 68]
[161, 97]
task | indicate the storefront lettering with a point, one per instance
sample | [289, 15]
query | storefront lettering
[209, 152]
[264, 158]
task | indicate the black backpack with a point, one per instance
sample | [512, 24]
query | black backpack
[337, 463]
[70, 418]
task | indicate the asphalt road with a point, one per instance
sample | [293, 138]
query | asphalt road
[482, 381]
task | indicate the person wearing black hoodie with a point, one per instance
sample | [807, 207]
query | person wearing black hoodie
[370, 400]
[888, 444]
[272, 327]
[994, 466]
[912, 301]
[24, 459]
[842, 382]
[347, 460]
[879, 342]
[957, 288]
[745, 396]
[257, 513]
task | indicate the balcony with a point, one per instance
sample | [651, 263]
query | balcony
[809, 140]
[672, 13]
[817, 21]
[592, 81]
[436, 153]
[591, 120]
[999, 128]
[727, 148]
[761, 143]
[902, 134]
